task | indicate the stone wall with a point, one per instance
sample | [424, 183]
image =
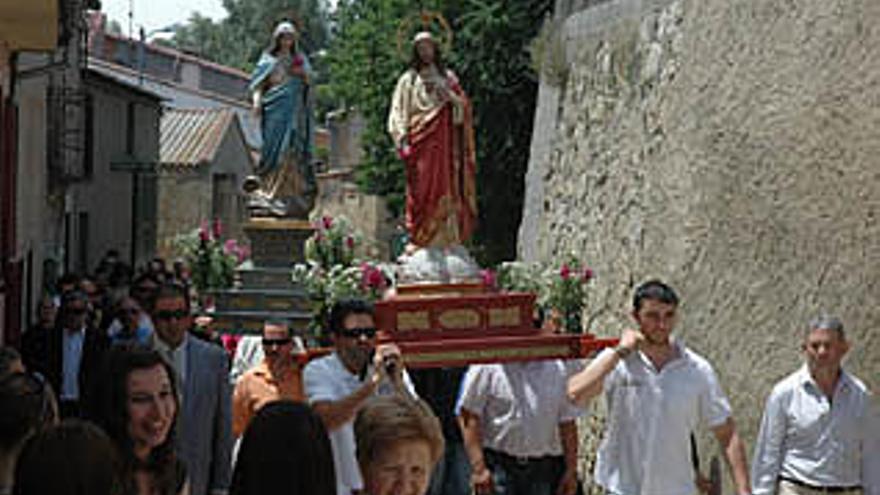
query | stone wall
[728, 147]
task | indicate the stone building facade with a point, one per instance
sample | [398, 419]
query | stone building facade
[728, 147]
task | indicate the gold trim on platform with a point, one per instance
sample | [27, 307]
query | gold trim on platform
[412, 320]
[459, 319]
[505, 317]
[488, 353]
[278, 224]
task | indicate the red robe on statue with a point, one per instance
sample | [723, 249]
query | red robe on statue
[431, 120]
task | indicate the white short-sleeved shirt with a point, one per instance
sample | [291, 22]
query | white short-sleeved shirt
[651, 415]
[520, 405]
[328, 380]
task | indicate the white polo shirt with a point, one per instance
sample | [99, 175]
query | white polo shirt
[651, 414]
[327, 380]
[520, 405]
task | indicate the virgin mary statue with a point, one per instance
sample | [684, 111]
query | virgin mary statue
[285, 184]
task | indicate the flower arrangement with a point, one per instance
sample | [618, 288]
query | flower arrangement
[212, 261]
[333, 243]
[561, 289]
[332, 272]
[567, 292]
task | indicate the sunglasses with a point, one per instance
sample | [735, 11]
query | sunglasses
[354, 333]
[129, 311]
[76, 311]
[169, 315]
[276, 342]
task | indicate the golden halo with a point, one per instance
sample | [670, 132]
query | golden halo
[426, 20]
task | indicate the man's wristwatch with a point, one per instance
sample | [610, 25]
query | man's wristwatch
[621, 351]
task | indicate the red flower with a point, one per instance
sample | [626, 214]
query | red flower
[204, 235]
[565, 272]
[217, 228]
[349, 242]
[404, 152]
[327, 222]
[489, 279]
[587, 275]
[297, 60]
[372, 277]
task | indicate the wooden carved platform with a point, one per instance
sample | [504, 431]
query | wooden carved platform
[457, 325]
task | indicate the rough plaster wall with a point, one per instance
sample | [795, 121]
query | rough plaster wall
[184, 201]
[729, 147]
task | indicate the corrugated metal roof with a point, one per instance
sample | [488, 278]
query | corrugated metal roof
[191, 137]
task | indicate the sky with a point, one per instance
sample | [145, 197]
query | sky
[158, 14]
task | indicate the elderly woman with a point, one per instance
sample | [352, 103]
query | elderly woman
[138, 410]
[399, 442]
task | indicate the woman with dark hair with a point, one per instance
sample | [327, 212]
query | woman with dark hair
[285, 450]
[46, 465]
[138, 409]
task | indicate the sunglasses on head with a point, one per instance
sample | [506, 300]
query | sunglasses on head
[168, 315]
[276, 342]
[354, 333]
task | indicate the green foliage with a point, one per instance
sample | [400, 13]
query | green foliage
[332, 272]
[491, 58]
[238, 39]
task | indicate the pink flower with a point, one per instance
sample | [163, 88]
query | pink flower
[489, 279]
[565, 271]
[327, 222]
[230, 246]
[217, 228]
[244, 252]
[204, 235]
[319, 237]
[587, 275]
[297, 60]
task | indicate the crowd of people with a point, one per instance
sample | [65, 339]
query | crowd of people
[122, 395]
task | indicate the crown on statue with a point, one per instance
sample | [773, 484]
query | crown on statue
[423, 21]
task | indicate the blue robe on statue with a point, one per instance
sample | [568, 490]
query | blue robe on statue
[287, 127]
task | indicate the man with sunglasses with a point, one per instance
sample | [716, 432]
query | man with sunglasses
[277, 377]
[338, 385]
[69, 355]
[204, 440]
